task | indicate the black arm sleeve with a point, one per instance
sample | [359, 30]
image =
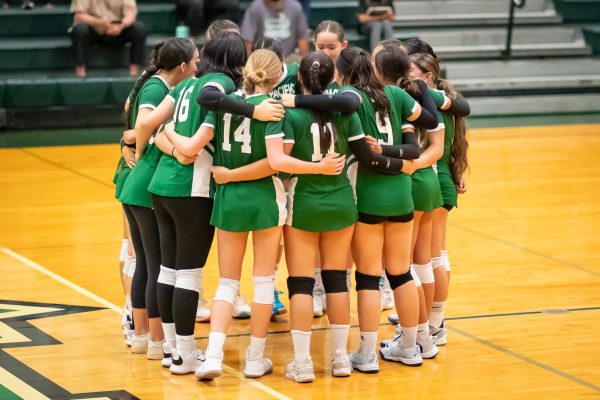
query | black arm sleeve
[346, 102]
[427, 119]
[459, 107]
[375, 162]
[409, 150]
[215, 100]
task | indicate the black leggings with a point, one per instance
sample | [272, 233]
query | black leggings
[186, 236]
[372, 219]
[146, 242]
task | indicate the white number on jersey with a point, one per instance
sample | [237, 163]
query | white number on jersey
[183, 107]
[385, 131]
[314, 129]
[240, 135]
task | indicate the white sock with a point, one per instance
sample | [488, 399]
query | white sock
[257, 345]
[368, 342]
[339, 334]
[423, 331]
[437, 313]
[169, 331]
[216, 340]
[301, 340]
[398, 329]
[128, 302]
[409, 337]
[185, 345]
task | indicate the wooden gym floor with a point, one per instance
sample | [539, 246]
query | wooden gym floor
[522, 317]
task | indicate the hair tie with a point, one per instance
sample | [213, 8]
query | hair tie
[317, 63]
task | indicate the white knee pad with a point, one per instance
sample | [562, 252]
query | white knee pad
[415, 277]
[425, 273]
[264, 287]
[166, 276]
[227, 290]
[123, 253]
[131, 269]
[436, 262]
[189, 279]
[446, 260]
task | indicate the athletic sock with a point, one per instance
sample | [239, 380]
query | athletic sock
[185, 345]
[339, 334]
[436, 317]
[409, 337]
[368, 342]
[170, 336]
[301, 340]
[216, 341]
[423, 331]
[257, 345]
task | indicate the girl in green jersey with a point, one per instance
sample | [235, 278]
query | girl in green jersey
[330, 38]
[242, 172]
[182, 197]
[172, 61]
[321, 213]
[385, 208]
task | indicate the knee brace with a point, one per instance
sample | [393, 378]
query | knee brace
[227, 290]
[399, 280]
[415, 277]
[131, 270]
[334, 281]
[446, 261]
[123, 253]
[366, 282]
[166, 276]
[264, 287]
[300, 285]
[436, 262]
[425, 273]
[189, 279]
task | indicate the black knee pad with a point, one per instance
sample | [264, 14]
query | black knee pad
[366, 282]
[334, 281]
[399, 280]
[300, 285]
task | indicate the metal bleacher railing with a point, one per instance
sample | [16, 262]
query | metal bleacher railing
[514, 4]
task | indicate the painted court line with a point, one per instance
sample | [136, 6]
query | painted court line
[525, 359]
[107, 304]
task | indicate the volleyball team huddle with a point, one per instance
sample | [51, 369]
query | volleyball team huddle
[347, 158]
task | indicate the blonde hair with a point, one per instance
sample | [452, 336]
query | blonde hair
[263, 67]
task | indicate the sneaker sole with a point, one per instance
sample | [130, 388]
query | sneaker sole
[209, 375]
[302, 378]
[430, 355]
[440, 342]
[342, 373]
[257, 375]
[317, 315]
[180, 371]
[166, 363]
[203, 319]
[393, 321]
[154, 356]
[402, 360]
[242, 316]
[370, 370]
[140, 350]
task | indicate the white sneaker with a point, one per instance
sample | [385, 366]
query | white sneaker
[211, 368]
[181, 365]
[257, 365]
[367, 363]
[340, 364]
[139, 344]
[393, 318]
[302, 372]
[167, 353]
[241, 309]
[439, 334]
[409, 356]
[203, 311]
[428, 348]
[128, 335]
[155, 350]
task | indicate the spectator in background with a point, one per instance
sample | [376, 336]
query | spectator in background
[197, 14]
[108, 22]
[282, 20]
[375, 18]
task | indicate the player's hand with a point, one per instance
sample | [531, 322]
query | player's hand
[288, 100]
[408, 167]
[374, 145]
[129, 136]
[183, 159]
[462, 186]
[332, 164]
[222, 175]
[129, 155]
[269, 110]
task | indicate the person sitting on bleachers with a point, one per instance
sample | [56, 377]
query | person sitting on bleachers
[375, 18]
[108, 22]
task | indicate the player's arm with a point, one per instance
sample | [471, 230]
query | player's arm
[251, 172]
[434, 151]
[332, 164]
[345, 102]
[148, 122]
[424, 112]
[189, 146]
[215, 100]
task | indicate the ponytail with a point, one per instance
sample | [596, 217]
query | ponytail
[150, 71]
[460, 145]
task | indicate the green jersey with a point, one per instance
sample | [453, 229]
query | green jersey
[332, 89]
[378, 194]
[319, 203]
[171, 178]
[248, 205]
[288, 83]
[135, 190]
